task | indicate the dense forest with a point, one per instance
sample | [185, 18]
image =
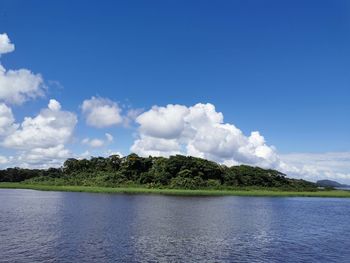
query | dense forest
[178, 171]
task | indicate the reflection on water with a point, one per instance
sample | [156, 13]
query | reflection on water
[80, 227]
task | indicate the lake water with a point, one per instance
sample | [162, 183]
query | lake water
[82, 227]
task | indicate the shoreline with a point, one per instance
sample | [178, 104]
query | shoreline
[178, 192]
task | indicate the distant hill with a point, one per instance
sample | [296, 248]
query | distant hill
[330, 183]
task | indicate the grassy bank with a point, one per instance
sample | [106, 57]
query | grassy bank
[137, 190]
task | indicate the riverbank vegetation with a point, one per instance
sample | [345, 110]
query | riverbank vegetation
[175, 172]
[247, 191]
[176, 175]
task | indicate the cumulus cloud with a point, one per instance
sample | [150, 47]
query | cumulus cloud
[200, 131]
[40, 141]
[54, 105]
[96, 143]
[147, 145]
[101, 112]
[5, 44]
[49, 129]
[7, 120]
[42, 157]
[18, 86]
[163, 122]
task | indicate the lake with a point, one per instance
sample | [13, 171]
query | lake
[40, 226]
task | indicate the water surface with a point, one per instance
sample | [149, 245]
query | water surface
[40, 226]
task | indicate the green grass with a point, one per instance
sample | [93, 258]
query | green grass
[140, 190]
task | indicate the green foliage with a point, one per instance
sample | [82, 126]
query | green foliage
[19, 174]
[182, 172]
[184, 182]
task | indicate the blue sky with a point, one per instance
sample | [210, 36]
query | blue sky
[277, 67]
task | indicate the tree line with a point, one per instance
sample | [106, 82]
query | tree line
[177, 171]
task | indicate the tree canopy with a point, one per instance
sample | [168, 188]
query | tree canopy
[174, 172]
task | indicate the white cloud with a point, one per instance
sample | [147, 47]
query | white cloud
[96, 143]
[101, 112]
[163, 122]
[93, 142]
[84, 155]
[109, 137]
[3, 160]
[317, 166]
[112, 152]
[131, 116]
[200, 131]
[42, 157]
[40, 141]
[54, 105]
[5, 44]
[49, 129]
[18, 86]
[7, 120]
[147, 145]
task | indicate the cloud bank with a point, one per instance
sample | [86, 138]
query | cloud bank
[317, 166]
[200, 131]
[40, 140]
